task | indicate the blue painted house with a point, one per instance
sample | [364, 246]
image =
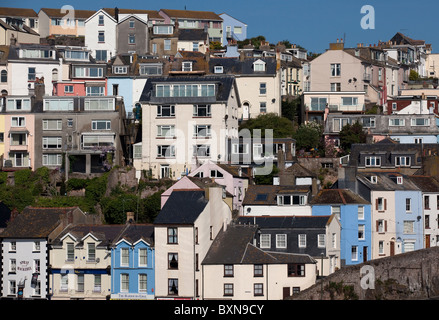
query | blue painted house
[233, 29]
[409, 214]
[354, 214]
[132, 264]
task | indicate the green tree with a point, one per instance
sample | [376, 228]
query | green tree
[308, 136]
[290, 109]
[413, 76]
[115, 208]
[350, 134]
[255, 41]
[150, 207]
[267, 179]
[282, 127]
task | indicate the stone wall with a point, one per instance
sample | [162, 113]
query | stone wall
[412, 275]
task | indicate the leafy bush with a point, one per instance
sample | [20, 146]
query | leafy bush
[76, 184]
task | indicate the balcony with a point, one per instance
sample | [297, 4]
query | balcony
[346, 108]
[367, 77]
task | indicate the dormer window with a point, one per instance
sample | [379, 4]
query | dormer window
[289, 200]
[259, 65]
[186, 66]
[373, 179]
[373, 161]
[402, 161]
[120, 69]
[218, 69]
[399, 180]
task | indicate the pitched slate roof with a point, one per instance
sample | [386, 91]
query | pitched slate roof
[254, 192]
[225, 84]
[401, 38]
[191, 34]
[294, 222]
[426, 183]
[337, 196]
[386, 181]
[105, 234]
[182, 207]
[57, 13]
[233, 170]
[151, 13]
[35, 223]
[300, 171]
[234, 246]
[243, 67]
[135, 232]
[201, 15]
[17, 12]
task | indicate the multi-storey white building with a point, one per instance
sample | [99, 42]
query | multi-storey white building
[186, 121]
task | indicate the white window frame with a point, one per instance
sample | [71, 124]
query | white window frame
[361, 232]
[18, 122]
[265, 241]
[55, 142]
[396, 122]
[354, 253]
[95, 123]
[426, 122]
[48, 159]
[165, 151]
[124, 257]
[143, 255]
[372, 161]
[335, 69]
[321, 240]
[160, 109]
[124, 282]
[281, 241]
[302, 240]
[202, 131]
[167, 131]
[143, 282]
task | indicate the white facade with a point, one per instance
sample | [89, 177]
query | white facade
[192, 245]
[23, 259]
[21, 71]
[246, 286]
[259, 94]
[100, 34]
[431, 214]
[181, 139]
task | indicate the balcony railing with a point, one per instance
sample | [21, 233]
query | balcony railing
[367, 77]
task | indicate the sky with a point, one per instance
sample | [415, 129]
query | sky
[312, 24]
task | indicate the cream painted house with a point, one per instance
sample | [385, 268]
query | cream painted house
[184, 231]
[383, 216]
[258, 82]
[365, 76]
[432, 65]
[236, 269]
[186, 122]
[80, 262]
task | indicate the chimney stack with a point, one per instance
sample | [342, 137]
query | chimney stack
[130, 217]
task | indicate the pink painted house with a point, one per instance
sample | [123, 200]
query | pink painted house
[232, 177]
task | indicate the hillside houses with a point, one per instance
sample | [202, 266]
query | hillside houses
[164, 95]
